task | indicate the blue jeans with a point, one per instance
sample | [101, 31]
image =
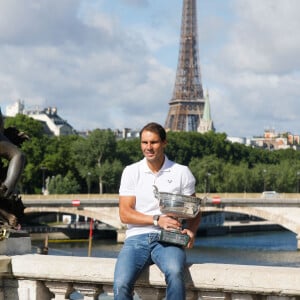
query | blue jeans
[142, 250]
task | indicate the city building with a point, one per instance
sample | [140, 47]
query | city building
[126, 134]
[270, 140]
[52, 122]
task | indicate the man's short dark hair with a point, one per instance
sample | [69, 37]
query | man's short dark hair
[156, 128]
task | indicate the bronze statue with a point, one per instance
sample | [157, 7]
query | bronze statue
[11, 206]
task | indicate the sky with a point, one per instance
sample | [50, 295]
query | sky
[112, 63]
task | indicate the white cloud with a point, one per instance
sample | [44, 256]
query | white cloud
[112, 64]
[258, 66]
[265, 37]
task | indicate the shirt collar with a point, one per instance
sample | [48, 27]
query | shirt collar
[165, 167]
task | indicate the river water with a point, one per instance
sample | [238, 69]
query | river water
[265, 248]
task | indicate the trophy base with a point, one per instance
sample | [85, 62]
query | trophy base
[174, 237]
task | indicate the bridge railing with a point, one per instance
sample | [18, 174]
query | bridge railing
[116, 196]
[36, 277]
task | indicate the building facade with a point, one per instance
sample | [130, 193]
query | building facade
[52, 122]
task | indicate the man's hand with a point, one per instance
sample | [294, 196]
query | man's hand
[192, 237]
[169, 223]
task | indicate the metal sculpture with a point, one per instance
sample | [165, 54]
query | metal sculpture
[12, 161]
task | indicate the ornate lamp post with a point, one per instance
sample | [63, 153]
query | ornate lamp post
[89, 182]
[207, 183]
[298, 178]
[265, 172]
[43, 168]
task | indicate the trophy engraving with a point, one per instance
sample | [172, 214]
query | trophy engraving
[179, 207]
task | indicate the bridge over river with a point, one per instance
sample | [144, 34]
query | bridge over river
[283, 210]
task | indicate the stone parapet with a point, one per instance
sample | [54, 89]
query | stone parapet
[45, 277]
[15, 245]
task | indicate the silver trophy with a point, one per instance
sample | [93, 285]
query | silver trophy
[178, 207]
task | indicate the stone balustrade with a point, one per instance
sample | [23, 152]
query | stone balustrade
[45, 277]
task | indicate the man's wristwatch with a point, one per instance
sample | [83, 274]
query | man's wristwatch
[155, 220]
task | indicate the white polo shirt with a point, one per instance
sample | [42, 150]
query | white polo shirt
[138, 180]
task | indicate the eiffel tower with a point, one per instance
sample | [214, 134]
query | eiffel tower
[187, 103]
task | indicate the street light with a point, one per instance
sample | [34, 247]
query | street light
[207, 183]
[298, 178]
[265, 171]
[89, 182]
[43, 168]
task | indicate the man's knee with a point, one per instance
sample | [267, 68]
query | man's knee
[123, 289]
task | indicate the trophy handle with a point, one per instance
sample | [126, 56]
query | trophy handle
[204, 200]
[156, 192]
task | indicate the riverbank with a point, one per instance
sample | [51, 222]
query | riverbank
[239, 227]
[74, 233]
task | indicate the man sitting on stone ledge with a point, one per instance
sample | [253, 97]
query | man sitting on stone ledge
[140, 210]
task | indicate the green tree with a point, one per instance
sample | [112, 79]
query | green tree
[58, 158]
[63, 184]
[208, 172]
[98, 160]
[89, 154]
[234, 181]
[128, 151]
[111, 175]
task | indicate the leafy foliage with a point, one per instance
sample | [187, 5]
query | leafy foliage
[72, 164]
[92, 153]
[63, 185]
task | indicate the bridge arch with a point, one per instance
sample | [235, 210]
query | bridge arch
[286, 217]
[107, 215]
[284, 212]
[110, 215]
[274, 215]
